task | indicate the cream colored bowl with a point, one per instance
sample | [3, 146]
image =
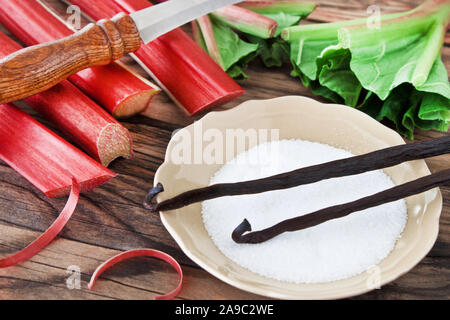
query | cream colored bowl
[306, 119]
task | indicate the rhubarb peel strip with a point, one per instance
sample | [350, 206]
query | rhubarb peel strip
[141, 253]
[44, 239]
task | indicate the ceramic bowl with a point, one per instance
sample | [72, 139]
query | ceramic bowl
[300, 118]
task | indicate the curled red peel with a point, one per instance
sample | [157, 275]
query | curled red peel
[44, 239]
[141, 253]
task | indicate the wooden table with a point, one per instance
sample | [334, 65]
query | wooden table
[110, 219]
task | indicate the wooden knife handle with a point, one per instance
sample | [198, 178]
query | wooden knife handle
[37, 68]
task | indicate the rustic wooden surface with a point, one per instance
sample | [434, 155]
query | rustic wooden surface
[111, 219]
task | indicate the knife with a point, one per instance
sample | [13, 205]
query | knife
[38, 68]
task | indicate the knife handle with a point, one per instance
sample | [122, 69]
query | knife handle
[38, 68]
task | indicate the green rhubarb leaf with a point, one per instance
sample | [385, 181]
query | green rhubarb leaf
[435, 107]
[409, 120]
[273, 52]
[232, 48]
[371, 104]
[319, 90]
[398, 65]
[305, 57]
[335, 74]
[405, 49]
[313, 84]
[437, 81]
[403, 108]
[412, 116]
[330, 65]
[235, 53]
[316, 88]
[236, 72]
[395, 107]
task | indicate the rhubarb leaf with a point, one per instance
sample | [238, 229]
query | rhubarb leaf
[313, 84]
[437, 81]
[335, 74]
[394, 72]
[435, 107]
[275, 52]
[408, 108]
[235, 52]
[236, 72]
[383, 64]
[412, 117]
[306, 56]
[395, 108]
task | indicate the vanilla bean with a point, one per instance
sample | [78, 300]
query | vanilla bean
[339, 168]
[313, 219]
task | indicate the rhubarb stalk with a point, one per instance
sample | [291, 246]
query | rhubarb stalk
[246, 21]
[294, 7]
[78, 117]
[206, 36]
[116, 89]
[189, 76]
[43, 158]
[44, 239]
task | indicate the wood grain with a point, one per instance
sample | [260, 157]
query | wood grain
[38, 68]
[111, 219]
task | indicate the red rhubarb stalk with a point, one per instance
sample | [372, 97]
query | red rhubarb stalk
[44, 239]
[78, 117]
[186, 72]
[141, 253]
[198, 37]
[206, 34]
[246, 21]
[114, 88]
[43, 158]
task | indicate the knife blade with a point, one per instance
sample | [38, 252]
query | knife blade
[38, 68]
[157, 20]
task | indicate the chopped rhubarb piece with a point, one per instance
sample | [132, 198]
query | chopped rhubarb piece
[116, 89]
[44, 239]
[141, 253]
[179, 66]
[108, 87]
[78, 117]
[246, 21]
[43, 158]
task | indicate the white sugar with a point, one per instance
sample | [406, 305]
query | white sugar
[334, 250]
